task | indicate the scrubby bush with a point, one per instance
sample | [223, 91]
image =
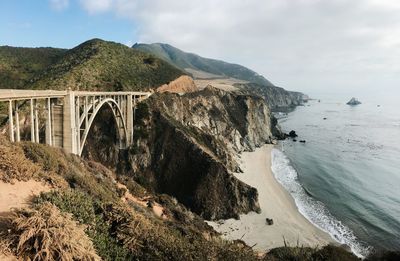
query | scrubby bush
[90, 213]
[71, 201]
[13, 163]
[48, 234]
[43, 155]
[326, 253]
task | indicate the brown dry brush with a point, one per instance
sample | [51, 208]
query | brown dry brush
[13, 163]
[47, 234]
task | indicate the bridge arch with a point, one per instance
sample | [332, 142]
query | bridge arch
[117, 115]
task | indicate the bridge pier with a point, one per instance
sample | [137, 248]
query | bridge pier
[17, 129]
[32, 121]
[11, 120]
[129, 120]
[48, 124]
[69, 127]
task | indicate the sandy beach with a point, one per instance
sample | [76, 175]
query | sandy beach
[275, 203]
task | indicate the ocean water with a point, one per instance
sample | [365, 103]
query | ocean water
[346, 177]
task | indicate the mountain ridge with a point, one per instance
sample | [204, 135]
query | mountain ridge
[186, 60]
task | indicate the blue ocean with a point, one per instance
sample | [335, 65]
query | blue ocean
[346, 177]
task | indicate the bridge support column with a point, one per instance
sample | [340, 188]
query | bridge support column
[37, 138]
[129, 120]
[17, 129]
[11, 120]
[32, 122]
[49, 132]
[69, 124]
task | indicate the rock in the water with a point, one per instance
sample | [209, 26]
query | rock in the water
[302, 141]
[292, 134]
[353, 101]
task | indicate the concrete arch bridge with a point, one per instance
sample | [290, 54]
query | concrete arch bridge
[69, 115]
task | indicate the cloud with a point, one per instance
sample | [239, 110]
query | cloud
[299, 44]
[97, 6]
[59, 4]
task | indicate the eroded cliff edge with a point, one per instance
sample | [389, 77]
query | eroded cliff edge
[187, 146]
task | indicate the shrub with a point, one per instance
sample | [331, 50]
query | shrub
[326, 253]
[48, 234]
[13, 164]
[133, 187]
[71, 201]
[44, 156]
[89, 212]
[333, 253]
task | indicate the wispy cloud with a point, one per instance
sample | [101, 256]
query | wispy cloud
[97, 6]
[296, 43]
[59, 4]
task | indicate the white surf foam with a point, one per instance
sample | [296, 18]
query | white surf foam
[314, 210]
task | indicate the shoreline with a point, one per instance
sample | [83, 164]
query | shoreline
[289, 227]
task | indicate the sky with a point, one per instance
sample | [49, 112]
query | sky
[319, 47]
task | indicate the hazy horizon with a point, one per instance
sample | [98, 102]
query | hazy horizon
[317, 47]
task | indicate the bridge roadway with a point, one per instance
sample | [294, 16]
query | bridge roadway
[69, 115]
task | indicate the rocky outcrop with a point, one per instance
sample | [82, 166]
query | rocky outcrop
[186, 146]
[276, 97]
[178, 165]
[183, 84]
[353, 101]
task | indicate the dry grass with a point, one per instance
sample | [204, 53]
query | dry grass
[13, 163]
[47, 234]
[5, 248]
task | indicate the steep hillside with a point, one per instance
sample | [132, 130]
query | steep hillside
[19, 65]
[93, 65]
[89, 215]
[101, 65]
[190, 62]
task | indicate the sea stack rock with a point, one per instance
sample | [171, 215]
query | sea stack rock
[353, 101]
[292, 134]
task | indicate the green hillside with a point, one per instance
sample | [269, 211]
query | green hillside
[186, 61]
[101, 65]
[19, 65]
[93, 65]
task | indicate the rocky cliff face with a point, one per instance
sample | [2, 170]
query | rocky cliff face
[276, 97]
[186, 146]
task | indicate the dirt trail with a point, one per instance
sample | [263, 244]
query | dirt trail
[17, 195]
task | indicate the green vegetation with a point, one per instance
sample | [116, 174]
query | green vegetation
[93, 65]
[327, 253]
[89, 212]
[184, 60]
[19, 65]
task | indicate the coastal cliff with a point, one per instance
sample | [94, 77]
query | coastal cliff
[187, 146]
[276, 97]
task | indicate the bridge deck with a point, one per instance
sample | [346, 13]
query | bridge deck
[12, 94]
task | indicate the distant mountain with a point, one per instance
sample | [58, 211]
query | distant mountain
[201, 67]
[93, 65]
[19, 65]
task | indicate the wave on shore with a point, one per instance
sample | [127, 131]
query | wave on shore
[312, 209]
